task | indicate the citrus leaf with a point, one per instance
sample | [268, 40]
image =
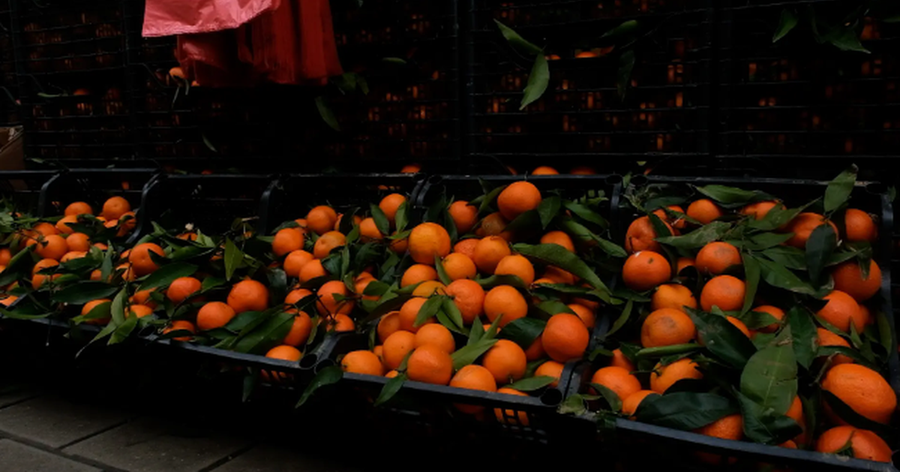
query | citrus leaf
[328, 376]
[623, 74]
[532, 384]
[582, 233]
[391, 387]
[538, 80]
[786, 23]
[233, 258]
[848, 414]
[518, 43]
[548, 209]
[770, 376]
[585, 213]
[123, 330]
[761, 241]
[789, 257]
[559, 256]
[489, 199]
[819, 247]
[442, 273]
[664, 351]
[553, 307]
[428, 310]
[450, 309]
[117, 309]
[764, 425]
[622, 319]
[469, 354]
[757, 319]
[730, 196]
[722, 338]
[381, 220]
[165, 275]
[84, 292]
[106, 267]
[839, 189]
[779, 276]
[266, 335]
[523, 331]
[626, 28]
[805, 337]
[491, 331]
[326, 113]
[751, 276]
[18, 267]
[575, 405]
[476, 332]
[611, 397]
[684, 410]
[99, 312]
[699, 237]
[400, 218]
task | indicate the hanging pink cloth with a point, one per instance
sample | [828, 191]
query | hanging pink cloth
[171, 17]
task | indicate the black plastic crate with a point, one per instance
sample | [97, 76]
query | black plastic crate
[23, 189]
[624, 439]
[95, 186]
[582, 120]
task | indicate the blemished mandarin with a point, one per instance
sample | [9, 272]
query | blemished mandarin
[467, 247]
[493, 225]
[428, 240]
[667, 327]
[724, 291]
[617, 379]
[716, 257]
[672, 296]
[644, 270]
[641, 236]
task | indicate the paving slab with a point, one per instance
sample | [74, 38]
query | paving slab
[17, 456]
[280, 459]
[12, 394]
[154, 445]
[56, 421]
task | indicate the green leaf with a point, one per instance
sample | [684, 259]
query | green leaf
[847, 39]
[757, 319]
[761, 241]
[537, 81]
[106, 267]
[233, 258]
[19, 266]
[381, 220]
[267, 335]
[789, 257]
[391, 387]
[491, 331]
[117, 309]
[99, 312]
[626, 28]
[731, 196]
[623, 75]
[558, 256]
[582, 233]
[751, 276]
[476, 332]
[489, 199]
[805, 338]
[611, 397]
[328, 376]
[469, 354]
[553, 307]
[518, 42]
[665, 351]
[165, 275]
[548, 209]
[326, 113]
[123, 330]
[450, 309]
[622, 319]
[428, 310]
[532, 384]
[839, 189]
[722, 338]
[392, 60]
[786, 23]
[765, 425]
[884, 331]
[819, 247]
[585, 213]
[523, 331]
[699, 237]
[684, 410]
[442, 274]
[778, 276]
[770, 376]
[84, 292]
[573, 405]
[401, 218]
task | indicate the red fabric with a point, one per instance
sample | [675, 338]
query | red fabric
[171, 17]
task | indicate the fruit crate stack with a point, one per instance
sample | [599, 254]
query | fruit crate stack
[9, 111]
[627, 84]
[70, 67]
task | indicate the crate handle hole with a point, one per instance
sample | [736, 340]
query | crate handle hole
[552, 397]
[309, 361]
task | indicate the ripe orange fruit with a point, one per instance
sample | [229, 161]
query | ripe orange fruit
[44, 229]
[390, 204]
[739, 325]
[430, 364]
[535, 351]
[550, 369]
[664, 377]
[459, 266]
[388, 325]
[777, 313]
[758, 210]
[417, 273]
[565, 337]
[862, 389]
[78, 208]
[667, 327]
[368, 230]
[620, 360]
[864, 444]
[848, 278]
[464, 215]
[5, 256]
[312, 270]
[287, 240]
[717, 256]
[78, 242]
[359, 288]
[506, 361]
[436, 334]
[644, 270]
[428, 240]
[90, 306]
[618, 380]
[631, 403]
[408, 313]
[515, 264]
[328, 304]
[511, 417]
[214, 315]
[114, 208]
[803, 225]
[62, 226]
[180, 325]
[295, 261]
[493, 225]
[321, 219]
[641, 236]
[39, 279]
[127, 223]
[841, 310]
[327, 242]
[544, 170]
[672, 296]
[300, 330]
[362, 362]
[795, 412]
[559, 238]
[507, 301]
[583, 170]
[296, 295]
[585, 313]
[724, 291]
[729, 427]
[248, 295]
[473, 377]
[559, 276]
[704, 210]
[429, 288]
[684, 262]
[72, 255]
[52, 247]
[827, 338]
[677, 223]
[139, 311]
[467, 247]
[340, 323]
[859, 226]
[284, 353]
[517, 198]
[127, 272]
[469, 297]
[396, 347]
[489, 252]
[181, 288]
[142, 297]
[411, 169]
[140, 260]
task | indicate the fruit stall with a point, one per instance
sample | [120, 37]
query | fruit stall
[657, 232]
